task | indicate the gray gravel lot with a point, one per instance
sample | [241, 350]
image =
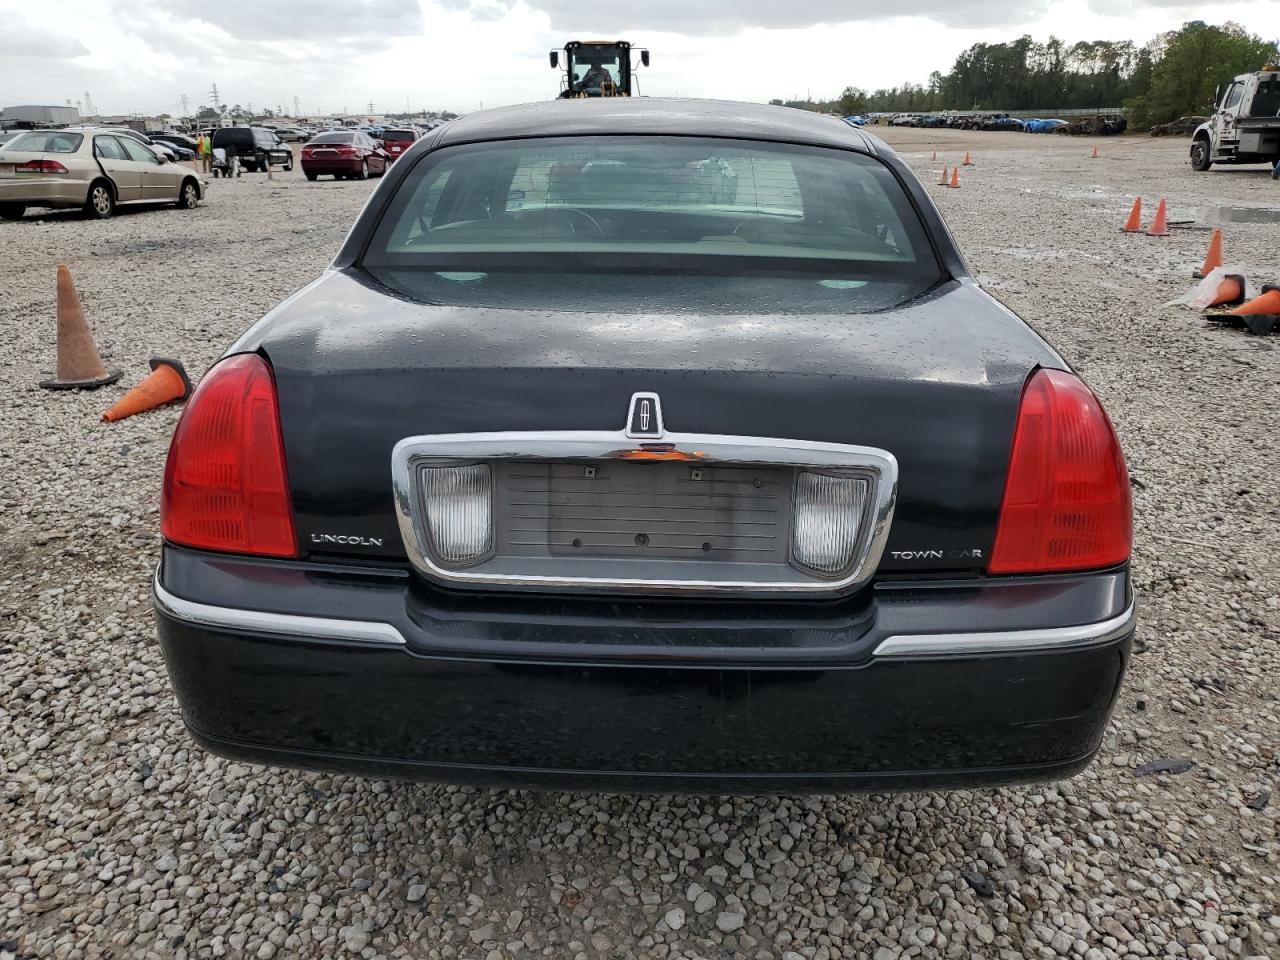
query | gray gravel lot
[121, 839]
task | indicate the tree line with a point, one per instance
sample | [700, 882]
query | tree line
[1173, 75]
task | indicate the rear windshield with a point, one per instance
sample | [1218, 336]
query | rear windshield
[397, 135]
[46, 141]
[653, 202]
[332, 138]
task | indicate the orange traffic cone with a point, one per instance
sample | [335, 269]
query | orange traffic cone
[1213, 258]
[943, 181]
[166, 383]
[1261, 314]
[1160, 222]
[967, 162]
[1134, 223]
[935, 156]
[79, 366]
[1094, 155]
[955, 177]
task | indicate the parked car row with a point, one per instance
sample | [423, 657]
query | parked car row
[1096, 126]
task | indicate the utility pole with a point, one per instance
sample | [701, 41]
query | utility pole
[370, 107]
[184, 104]
[297, 110]
[214, 98]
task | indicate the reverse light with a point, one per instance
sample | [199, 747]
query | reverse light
[225, 486]
[40, 166]
[1067, 504]
[826, 519]
[458, 506]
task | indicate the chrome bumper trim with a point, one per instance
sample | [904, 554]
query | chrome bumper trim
[1008, 641]
[290, 625]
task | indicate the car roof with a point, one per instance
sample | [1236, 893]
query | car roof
[651, 115]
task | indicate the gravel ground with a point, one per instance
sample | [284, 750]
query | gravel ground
[121, 839]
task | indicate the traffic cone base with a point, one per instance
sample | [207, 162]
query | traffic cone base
[1213, 258]
[167, 382]
[79, 366]
[111, 376]
[1160, 222]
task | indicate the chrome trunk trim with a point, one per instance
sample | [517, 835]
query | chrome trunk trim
[879, 465]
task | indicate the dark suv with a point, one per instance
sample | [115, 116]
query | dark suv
[254, 145]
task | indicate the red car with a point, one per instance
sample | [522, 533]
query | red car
[347, 155]
[397, 142]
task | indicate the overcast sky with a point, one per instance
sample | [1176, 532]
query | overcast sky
[140, 56]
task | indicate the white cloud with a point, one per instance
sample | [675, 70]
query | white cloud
[21, 40]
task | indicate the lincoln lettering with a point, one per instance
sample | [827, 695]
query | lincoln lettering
[348, 541]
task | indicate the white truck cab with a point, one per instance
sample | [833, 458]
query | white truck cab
[1245, 126]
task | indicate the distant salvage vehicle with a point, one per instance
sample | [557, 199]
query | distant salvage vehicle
[1245, 128]
[1182, 127]
[397, 141]
[254, 147]
[91, 169]
[1001, 121]
[1107, 126]
[346, 154]
[177, 139]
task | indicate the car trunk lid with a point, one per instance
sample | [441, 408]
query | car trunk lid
[935, 382]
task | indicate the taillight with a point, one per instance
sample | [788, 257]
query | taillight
[40, 166]
[225, 486]
[348, 152]
[1066, 500]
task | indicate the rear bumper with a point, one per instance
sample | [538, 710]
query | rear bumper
[934, 685]
[331, 166]
[48, 191]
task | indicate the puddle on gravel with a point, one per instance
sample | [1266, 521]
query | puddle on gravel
[1216, 216]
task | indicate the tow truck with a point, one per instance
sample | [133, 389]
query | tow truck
[1245, 126]
[598, 68]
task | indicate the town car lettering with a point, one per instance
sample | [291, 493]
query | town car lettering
[936, 554]
[685, 454]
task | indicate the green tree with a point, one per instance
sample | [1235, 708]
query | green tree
[207, 113]
[852, 100]
[1196, 59]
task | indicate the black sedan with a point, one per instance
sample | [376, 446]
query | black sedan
[648, 444]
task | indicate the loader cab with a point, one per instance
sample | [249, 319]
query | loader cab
[597, 68]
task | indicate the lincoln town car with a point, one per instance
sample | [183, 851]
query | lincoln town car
[648, 444]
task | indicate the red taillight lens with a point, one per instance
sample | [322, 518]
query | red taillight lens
[225, 486]
[348, 152]
[40, 166]
[1066, 500]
